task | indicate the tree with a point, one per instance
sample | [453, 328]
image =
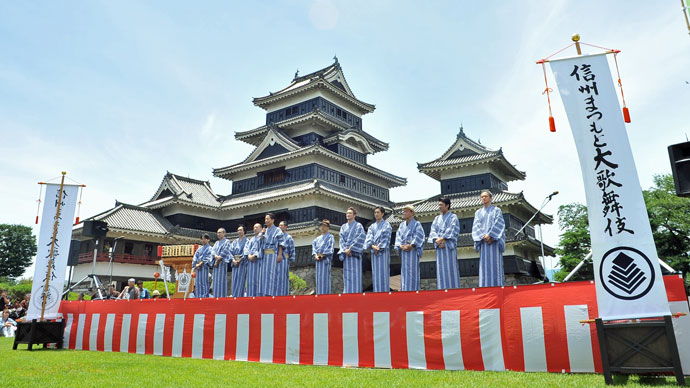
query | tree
[17, 249]
[574, 243]
[669, 217]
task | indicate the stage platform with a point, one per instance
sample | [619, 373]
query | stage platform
[531, 328]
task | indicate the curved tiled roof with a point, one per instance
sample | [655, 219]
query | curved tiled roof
[133, 218]
[327, 78]
[465, 200]
[434, 168]
[188, 190]
[394, 180]
[267, 196]
[281, 193]
[459, 160]
[456, 156]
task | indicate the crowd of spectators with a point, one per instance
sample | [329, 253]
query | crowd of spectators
[15, 311]
[11, 313]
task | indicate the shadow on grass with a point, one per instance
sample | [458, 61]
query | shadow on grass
[645, 380]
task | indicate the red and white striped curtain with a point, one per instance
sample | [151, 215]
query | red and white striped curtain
[525, 328]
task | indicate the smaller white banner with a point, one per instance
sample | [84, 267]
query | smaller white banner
[63, 238]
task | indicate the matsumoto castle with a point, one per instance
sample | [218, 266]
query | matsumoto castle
[310, 163]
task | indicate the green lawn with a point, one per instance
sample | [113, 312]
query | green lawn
[68, 368]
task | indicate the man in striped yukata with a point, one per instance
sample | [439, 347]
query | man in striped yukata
[272, 245]
[444, 235]
[351, 245]
[322, 253]
[202, 261]
[222, 256]
[239, 264]
[378, 240]
[252, 253]
[409, 242]
[282, 286]
[489, 235]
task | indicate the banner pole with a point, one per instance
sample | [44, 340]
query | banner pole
[685, 13]
[576, 39]
[52, 245]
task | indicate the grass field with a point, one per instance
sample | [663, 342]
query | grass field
[68, 368]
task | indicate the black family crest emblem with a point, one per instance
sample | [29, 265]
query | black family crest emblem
[626, 273]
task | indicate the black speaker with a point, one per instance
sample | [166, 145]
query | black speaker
[74, 248]
[94, 228]
[679, 154]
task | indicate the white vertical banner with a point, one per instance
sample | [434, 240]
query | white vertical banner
[63, 238]
[626, 267]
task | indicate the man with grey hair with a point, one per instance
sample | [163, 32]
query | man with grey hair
[488, 233]
[130, 291]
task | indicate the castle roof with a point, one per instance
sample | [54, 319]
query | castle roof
[467, 152]
[330, 79]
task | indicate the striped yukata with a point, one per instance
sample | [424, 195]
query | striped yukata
[220, 273]
[203, 256]
[253, 247]
[379, 233]
[282, 286]
[410, 233]
[352, 236]
[269, 261]
[490, 221]
[239, 273]
[323, 245]
[447, 272]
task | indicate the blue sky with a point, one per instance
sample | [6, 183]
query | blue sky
[118, 92]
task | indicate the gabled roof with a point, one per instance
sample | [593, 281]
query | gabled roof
[368, 143]
[341, 131]
[176, 188]
[467, 152]
[330, 78]
[255, 136]
[131, 218]
[125, 218]
[229, 171]
[273, 136]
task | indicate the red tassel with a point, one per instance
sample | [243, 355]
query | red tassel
[547, 90]
[36, 220]
[77, 221]
[626, 114]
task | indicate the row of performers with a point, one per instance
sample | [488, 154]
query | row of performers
[260, 265]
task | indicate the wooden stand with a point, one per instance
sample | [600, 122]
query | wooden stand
[181, 264]
[642, 347]
[35, 333]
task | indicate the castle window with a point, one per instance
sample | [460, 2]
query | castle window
[272, 177]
